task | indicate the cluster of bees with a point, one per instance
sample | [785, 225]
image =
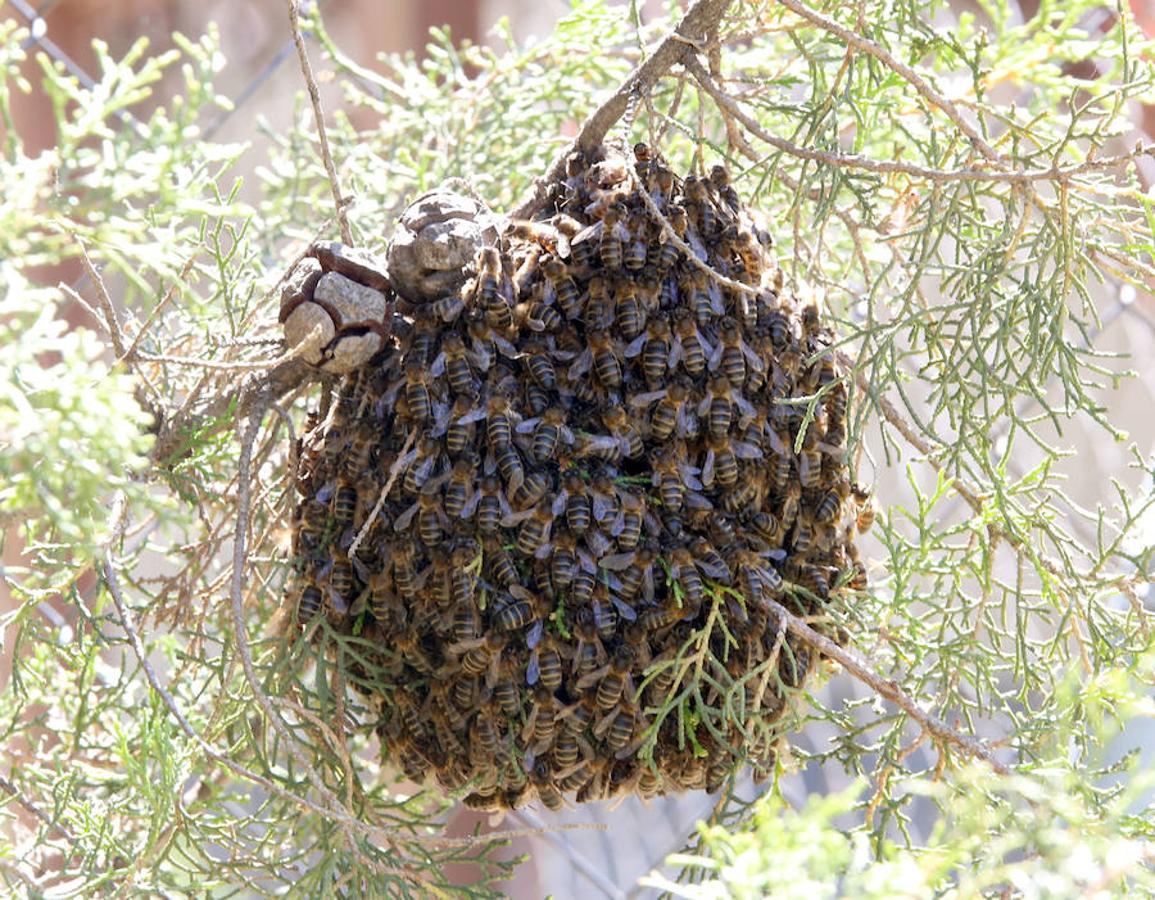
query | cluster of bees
[554, 512]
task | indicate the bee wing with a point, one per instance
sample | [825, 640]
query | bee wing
[587, 562]
[591, 232]
[746, 407]
[694, 500]
[478, 355]
[438, 366]
[704, 405]
[838, 453]
[710, 570]
[474, 415]
[715, 294]
[756, 362]
[640, 401]
[520, 593]
[744, 450]
[544, 551]
[708, 469]
[777, 444]
[716, 356]
[648, 585]
[513, 518]
[533, 670]
[507, 349]
[602, 506]
[359, 567]
[618, 561]
[634, 347]
[690, 477]
[471, 505]
[581, 365]
[533, 636]
[592, 678]
[676, 352]
[626, 611]
[403, 520]
[559, 502]
[527, 425]
[325, 494]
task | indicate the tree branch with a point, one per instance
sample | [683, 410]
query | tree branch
[702, 17]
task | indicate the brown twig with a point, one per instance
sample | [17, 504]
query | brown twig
[887, 688]
[319, 116]
[698, 21]
[730, 107]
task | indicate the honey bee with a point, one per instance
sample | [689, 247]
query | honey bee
[809, 461]
[542, 725]
[459, 427]
[719, 405]
[541, 317]
[724, 190]
[603, 355]
[577, 503]
[453, 362]
[490, 289]
[679, 222]
[344, 505]
[865, 508]
[699, 205]
[684, 573]
[533, 535]
[635, 573]
[309, 602]
[420, 464]
[722, 455]
[672, 478]
[564, 287]
[829, 505]
[643, 161]
[460, 497]
[547, 431]
[654, 346]
[757, 578]
[491, 506]
[545, 665]
[803, 533]
[417, 396]
[617, 728]
[627, 527]
[547, 791]
[733, 354]
[689, 347]
[430, 516]
[629, 316]
[564, 562]
[509, 463]
[546, 235]
[636, 241]
[481, 656]
[523, 609]
[589, 652]
[622, 429]
[613, 236]
[670, 415]
[499, 565]
[599, 309]
[534, 486]
[506, 690]
[612, 679]
[703, 296]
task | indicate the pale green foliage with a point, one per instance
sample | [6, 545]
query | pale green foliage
[970, 306]
[1047, 835]
[71, 431]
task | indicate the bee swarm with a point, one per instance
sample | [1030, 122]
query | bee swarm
[586, 490]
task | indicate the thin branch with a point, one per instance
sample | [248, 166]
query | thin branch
[729, 106]
[111, 320]
[702, 17]
[932, 96]
[394, 471]
[887, 688]
[159, 307]
[319, 116]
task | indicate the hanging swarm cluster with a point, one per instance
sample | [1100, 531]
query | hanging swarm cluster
[593, 494]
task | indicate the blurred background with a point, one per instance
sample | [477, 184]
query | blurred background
[262, 77]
